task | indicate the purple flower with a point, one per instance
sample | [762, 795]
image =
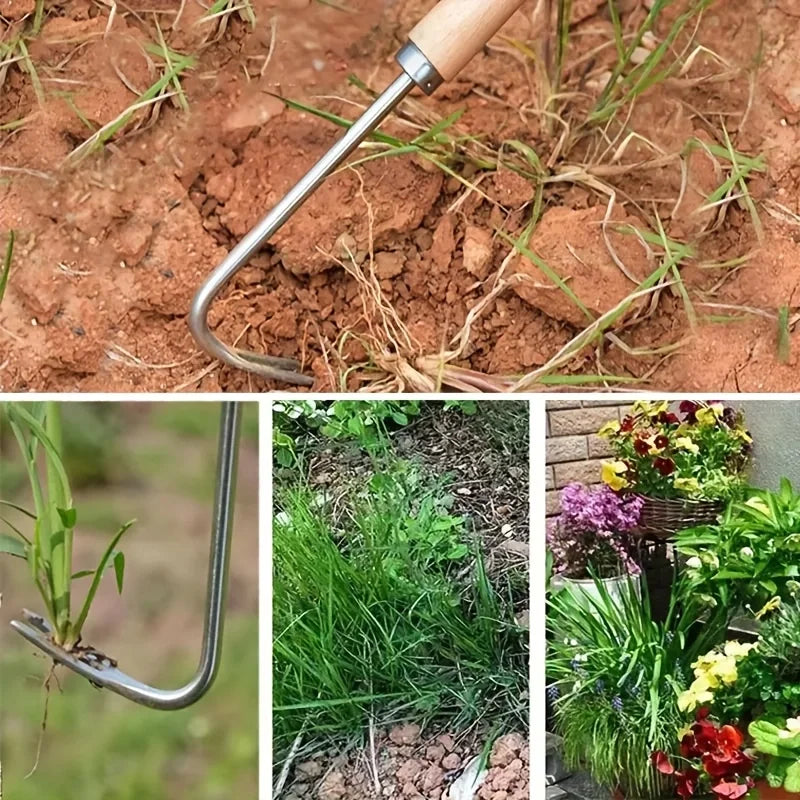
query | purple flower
[593, 531]
[616, 703]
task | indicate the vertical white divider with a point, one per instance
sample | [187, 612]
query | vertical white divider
[538, 425]
[265, 599]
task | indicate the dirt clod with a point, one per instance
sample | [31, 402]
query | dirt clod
[571, 243]
[405, 734]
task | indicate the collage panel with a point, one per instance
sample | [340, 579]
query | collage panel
[673, 598]
[129, 563]
[400, 654]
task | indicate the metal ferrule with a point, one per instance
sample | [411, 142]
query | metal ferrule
[416, 65]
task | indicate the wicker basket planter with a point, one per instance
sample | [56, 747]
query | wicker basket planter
[662, 519]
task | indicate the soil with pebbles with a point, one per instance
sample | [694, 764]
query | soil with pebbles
[110, 253]
[410, 763]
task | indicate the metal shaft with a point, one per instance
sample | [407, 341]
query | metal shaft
[272, 222]
[36, 630]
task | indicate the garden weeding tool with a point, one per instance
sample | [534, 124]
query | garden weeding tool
[438, 48]
[101, 670]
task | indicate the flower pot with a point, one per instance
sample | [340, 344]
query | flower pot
[766, 792]
[662, 518]
[586, 589]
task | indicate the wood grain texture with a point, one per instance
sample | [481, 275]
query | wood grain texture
[456, 30]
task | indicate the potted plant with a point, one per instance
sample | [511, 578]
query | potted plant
[617, 675]
[590, 541]
[755, 688]
[755, 544]
[687, 465]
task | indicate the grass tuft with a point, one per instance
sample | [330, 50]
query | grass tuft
[383, 610]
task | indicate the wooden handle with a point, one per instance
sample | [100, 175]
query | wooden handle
[456, 30]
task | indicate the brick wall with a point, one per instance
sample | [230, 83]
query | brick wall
[574, 450]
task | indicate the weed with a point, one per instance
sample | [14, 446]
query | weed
[587, 142]
[48, 549]
[383, 609]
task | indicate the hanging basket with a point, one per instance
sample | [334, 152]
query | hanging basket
[663, 518]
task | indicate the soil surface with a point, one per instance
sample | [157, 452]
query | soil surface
[378, 273]
[413, 764]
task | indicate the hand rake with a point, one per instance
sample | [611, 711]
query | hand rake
[438, 48]
[103, 671]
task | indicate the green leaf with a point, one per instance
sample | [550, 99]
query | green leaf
[98, 574]
[12, 546]
[69, 516]
[119, 570]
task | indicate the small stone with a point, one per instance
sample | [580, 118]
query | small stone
[405, 734]
[309, 769]
[505, 750]
[451, 761]
[435, 753]
[477, 251]
[434, 776]
[447, 741]
[389, 264]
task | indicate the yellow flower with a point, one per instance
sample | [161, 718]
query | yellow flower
[724, 670]
[697, 694]
[741, 433]
[685, 443]
[770, 605]
[706, 417]
[705, 662]
[612, 472]
[650, 409]
[609, 429]
[684, 731]
[737, 649]
[793, 724]
[688, 485]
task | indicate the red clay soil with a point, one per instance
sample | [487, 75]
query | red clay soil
[110, 252]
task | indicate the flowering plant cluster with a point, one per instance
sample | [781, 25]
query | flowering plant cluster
[700, 453]
[714, 670]
[712, 759]
[593, 532]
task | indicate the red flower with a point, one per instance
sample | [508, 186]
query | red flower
[661, 442]
[641, 447]
[662, 763]
[689, 410]
[627, 424]
[668, 418]
[686, 781]
[730, 789]
[666, 466]
[718, 749]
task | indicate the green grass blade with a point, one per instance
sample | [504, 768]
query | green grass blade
[6, 265]
[77, 626]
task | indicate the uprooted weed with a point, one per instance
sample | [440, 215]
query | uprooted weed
[586, 139]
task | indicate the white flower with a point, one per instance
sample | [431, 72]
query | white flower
[746, 552]
[711, 559]
[694, 563]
